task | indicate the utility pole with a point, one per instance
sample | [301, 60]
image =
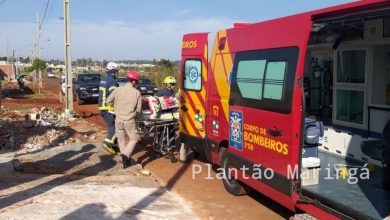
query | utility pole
[7, 50]
[38, 35]
[68, 62]
[13, 63]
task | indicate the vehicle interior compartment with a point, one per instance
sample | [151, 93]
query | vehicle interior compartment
[347, 88]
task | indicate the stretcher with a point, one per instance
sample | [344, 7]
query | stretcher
[164, 133]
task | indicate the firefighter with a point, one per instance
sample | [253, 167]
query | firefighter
[169, 83]
[107, 85]
[127, 102]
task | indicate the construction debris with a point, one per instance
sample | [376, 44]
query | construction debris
[36, 129]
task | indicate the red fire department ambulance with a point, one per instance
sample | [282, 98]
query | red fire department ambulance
[260, 99]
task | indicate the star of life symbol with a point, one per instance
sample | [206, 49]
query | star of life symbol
[235, 128]
[193, 74]
[215, 124]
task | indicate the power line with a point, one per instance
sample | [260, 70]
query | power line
[44, 14]
[40, 26]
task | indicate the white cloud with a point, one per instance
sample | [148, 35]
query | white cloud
[113, 39]
[183, 12]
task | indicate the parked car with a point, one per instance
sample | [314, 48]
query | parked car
[63, 86]
[146, 86]
[51, 75]
[86, 87]
[121, 81]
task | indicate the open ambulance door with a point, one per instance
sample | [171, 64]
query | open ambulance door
[265, 105]
[193, 78]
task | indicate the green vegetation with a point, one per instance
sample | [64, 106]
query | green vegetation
[162, 69]
[37, 65]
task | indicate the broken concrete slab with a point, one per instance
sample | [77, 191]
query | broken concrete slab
[6, 164]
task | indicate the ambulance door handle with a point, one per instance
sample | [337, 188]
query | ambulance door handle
[231, 101]
[184, 108]
[275, 132]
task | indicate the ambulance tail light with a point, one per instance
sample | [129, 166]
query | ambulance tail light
[221, 43]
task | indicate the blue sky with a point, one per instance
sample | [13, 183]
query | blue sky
[131, 29]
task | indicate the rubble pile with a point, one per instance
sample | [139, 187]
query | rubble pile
[34, 129]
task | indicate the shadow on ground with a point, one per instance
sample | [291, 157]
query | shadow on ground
[63, 163]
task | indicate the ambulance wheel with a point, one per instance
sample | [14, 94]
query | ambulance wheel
[196, 154]
[231, 184]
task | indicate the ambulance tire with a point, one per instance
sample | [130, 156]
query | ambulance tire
[232, 185]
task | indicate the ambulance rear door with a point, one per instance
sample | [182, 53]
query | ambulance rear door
[265, 115]
[193, 79]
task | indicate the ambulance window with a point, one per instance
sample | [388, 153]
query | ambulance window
[250, 78]
[193, 75]
[274, 80]
[264, 79]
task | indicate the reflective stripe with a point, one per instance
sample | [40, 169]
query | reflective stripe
[103, 107]
[111, 141]
[103, 104]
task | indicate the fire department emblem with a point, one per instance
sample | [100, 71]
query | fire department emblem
[235, 130]
[194, 74]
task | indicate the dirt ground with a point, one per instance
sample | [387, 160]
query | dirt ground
[207, 197]
[81, 181]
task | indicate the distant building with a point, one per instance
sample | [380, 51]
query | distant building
[6, 71]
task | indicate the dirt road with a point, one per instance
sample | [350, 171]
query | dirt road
[80, 181]
[207, 196]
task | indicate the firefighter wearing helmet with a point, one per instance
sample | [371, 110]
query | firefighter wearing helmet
[127, 102]
[107, 85]
[169, 83]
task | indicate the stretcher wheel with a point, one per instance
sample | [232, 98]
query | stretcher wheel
[157, 155]
[173, 159]
[171, 156]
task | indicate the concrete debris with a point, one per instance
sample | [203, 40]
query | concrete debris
[6, 138]
[34, 130]
[6, 165]
[28, 124]
[145, 172]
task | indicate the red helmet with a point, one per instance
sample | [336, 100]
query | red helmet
[132, 74]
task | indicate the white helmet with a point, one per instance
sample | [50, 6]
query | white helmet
[112, 66]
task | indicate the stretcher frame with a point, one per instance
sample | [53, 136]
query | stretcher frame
[164, 135]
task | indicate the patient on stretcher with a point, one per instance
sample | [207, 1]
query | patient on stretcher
[160, 108]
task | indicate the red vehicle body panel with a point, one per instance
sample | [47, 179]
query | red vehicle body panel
[214, 132]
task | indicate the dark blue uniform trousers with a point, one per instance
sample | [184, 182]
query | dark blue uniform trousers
[110, 121]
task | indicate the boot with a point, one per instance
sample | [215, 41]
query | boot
[109, 149]
[125, 160]
[130, 162]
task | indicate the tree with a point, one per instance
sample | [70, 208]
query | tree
[164, 63]
[37, 65]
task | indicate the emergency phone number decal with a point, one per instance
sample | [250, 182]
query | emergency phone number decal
[235, 124]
